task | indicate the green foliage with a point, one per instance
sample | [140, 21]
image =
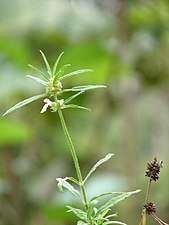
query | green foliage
[92, 214]
[54, 86]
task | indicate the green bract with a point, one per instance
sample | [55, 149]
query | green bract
[53, 86]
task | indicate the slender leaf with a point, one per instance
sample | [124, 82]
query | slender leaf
[113, 201]
[106, 158]
[88, 87]
[70, 89]
[105, 212]
[73, 96]
[56, 64]
[74, 107]
[100, 219]
[90, 209]
[112, 215]
[73, 180]
[77, 72]
[78, 212]
[37, 70]
[38, 80]
[101, 195]
[81, 223]
[60, 72]
[114, 222]
[24, 102]
[46, 63]
[84, 88]
[63, 183]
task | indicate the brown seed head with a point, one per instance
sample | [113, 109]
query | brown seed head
[150, 207]
[153, 169]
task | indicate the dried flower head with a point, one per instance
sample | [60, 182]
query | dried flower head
[153, 169]
[150, 207]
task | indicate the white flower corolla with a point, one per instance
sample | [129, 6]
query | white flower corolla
[48, 103]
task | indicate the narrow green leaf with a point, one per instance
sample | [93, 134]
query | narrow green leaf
[106, 158]
[90, 210]
[60, 72]
[78, 212]
[84, 88]
[112, 215]
[74, 107]
[105, 212]
[81, 223]
[73, 96]
[63, 183]
[70, 89]
[101, 195]
[114, 222]
[73, 180]
[37, 70]
[46, 63]
[24, 102]
[88, 87]
[77, 72]
[56, 64]
[113, 201]
[38, 80]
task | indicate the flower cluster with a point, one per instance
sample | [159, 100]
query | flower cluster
[150, 207]
[153, 169]
[52, 81]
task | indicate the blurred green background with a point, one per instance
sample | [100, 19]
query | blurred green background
[126, 43]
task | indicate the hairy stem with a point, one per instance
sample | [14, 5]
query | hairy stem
[74, 156]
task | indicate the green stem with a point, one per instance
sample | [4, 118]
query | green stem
[74, 156]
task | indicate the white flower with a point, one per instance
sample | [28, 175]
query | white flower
[48, 103]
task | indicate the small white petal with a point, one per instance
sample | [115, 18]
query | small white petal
[47, 101]
[44, 108]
